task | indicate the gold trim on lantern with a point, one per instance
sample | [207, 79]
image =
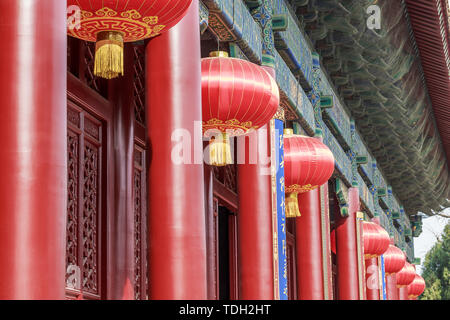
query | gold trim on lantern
[109, 55]
[300, 189]
[288, 132]
[292, 209]
[219, 54]
[220, 151]
[131, 23]
[233, 127]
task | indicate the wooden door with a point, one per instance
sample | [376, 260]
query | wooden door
[88, 118]
[291, 256]
[107, 178]
[222, 233]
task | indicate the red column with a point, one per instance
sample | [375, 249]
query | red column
[403, 293]
[33, 159]
[255, 224]
[372, 280]
[177, 240]
[391, 287]
[309, 247]
[346, 248]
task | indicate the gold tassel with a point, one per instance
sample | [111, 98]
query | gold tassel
[109, 55]
[220, 151]
[292, 210]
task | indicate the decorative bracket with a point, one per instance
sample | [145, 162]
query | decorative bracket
[326, 102]
[381, 192]
[362, 159]
[252, 4]
[342, 197]
[279, 22]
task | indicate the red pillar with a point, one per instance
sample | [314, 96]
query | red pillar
[309, 247]
[33, 131]
[255, 224]
[177, 240]
[403, 293]
[347, 253]
[372, 279]
[391, 287]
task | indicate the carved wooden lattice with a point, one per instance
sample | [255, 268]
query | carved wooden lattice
[72, 201]
[137, 234]
[140, 182]
[227, 176]
[80, 63]
[83, 205]
[139, 84]
[89, 60]
[90, 216]
[140, 221]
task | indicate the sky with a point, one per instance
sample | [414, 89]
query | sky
[431, 229]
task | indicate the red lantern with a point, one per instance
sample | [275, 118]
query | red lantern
[237, 96]
[417, 287]
[406, 276]
[110, 23]
[376, 240]
[308, 164]
[394, 260]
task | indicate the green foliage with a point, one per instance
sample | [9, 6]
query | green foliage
[437, 269]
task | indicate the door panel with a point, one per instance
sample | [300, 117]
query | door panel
[85, 203]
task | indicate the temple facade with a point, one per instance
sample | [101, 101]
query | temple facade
[95, 205]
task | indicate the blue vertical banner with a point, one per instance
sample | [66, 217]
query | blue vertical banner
[382, 279]
[278, 210]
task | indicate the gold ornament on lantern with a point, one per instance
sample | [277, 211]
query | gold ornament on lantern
[110, 23]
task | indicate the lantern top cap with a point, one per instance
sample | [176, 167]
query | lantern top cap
[288, 132]
[218, 54]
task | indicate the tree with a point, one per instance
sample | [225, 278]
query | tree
[436, 270]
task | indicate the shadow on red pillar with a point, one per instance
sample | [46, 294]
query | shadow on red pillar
[347, 252]
[255, 222]
[33, 131]
[177, 240]
[309, 247]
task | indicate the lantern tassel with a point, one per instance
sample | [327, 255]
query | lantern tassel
[220, 151]
[109, 55]
[292, 210]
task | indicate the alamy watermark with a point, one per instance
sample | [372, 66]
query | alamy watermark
[372, 279]
[73, 277]
[73, 17]
[188, 146]
[374, 19]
